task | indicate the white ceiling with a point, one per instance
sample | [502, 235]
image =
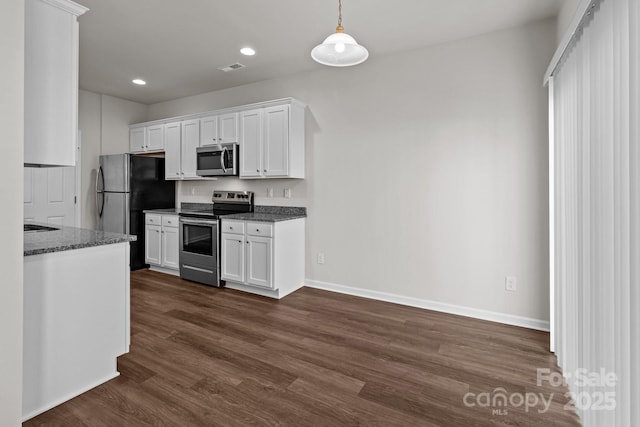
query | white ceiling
[177, 46]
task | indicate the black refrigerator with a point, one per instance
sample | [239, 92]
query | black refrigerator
[127, 184]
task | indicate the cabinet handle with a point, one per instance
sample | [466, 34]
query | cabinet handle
[230, 228]
[257, 170]
[239, 241]
[264, 170]
[177, 173]
[258, 230]
[247, 242]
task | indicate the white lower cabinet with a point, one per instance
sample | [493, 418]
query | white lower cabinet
[233, 263]
[162, 241]
[263, 257]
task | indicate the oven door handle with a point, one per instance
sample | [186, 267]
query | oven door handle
[198, 222]
[222, 154]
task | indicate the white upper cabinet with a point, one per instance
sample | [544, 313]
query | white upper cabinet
[190, 141]
[276, 141]
[146, 139]
[272, 142]
[270, 135]
[137, 139]
[251, 143]
[173, 150]
[51, 82]
[219, 129]
[181, 140]
[155, 138]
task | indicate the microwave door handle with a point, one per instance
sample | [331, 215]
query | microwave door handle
[222, 154]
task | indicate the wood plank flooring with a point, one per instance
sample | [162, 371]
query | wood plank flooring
[203, 356]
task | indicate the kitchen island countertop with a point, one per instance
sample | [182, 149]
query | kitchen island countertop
[68, 238]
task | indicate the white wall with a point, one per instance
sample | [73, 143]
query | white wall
[426, 170]
[104, 123]
[11, 172]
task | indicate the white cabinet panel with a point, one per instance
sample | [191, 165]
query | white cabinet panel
[51, 82]
[152, 244]
[276, 141]
[233, 259]
[190, 141]
[162, 241]
[170, 247]
[219, 129]
[137, 139]
[251, 143]
[208, 130]
[259, 262]
[155, 138]
[173, 150]
[228, 128]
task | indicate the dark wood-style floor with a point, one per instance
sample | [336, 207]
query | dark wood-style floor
[203, 356]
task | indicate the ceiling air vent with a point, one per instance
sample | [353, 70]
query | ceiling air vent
[232, 67]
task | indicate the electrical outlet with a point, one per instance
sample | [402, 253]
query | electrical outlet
[287, 193]
[269, 192]
[511, 283]
[320, 258]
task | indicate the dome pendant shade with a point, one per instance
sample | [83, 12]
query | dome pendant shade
[339, 50]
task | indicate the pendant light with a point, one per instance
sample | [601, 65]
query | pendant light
[339, 49]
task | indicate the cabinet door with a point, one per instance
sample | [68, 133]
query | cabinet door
[155, 138]
[172, 151]
[170, 247]
[50, 82]
[232, 257]
[251, 143]
[137, 140]
[190, 141]
[276, 141]
[259, 261]
[152, 244]
[228, 128]
[208, 131]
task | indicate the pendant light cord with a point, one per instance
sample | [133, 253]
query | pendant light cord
[339, 28]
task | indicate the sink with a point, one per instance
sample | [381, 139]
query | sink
[33, 228]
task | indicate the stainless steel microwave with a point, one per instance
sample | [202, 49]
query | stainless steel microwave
[218, 159]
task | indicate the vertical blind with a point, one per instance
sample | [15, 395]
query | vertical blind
[595, 199]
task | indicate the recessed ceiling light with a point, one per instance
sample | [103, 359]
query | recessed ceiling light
[139, 82]
[247, 51]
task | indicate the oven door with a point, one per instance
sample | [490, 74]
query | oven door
[199, 251]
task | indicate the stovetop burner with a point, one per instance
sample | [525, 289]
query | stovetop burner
[224, 203]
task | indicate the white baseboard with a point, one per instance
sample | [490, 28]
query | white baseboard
[493, 316]
[84, 389]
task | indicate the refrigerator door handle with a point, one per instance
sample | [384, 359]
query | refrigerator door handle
[100, 177]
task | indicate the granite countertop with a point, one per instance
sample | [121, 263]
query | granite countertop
[262, 217]
[166, 211]
[68, 238]
[270, 214]
[261, 213]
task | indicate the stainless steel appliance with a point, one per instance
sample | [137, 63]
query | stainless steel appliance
[125, 186]
[218, 159]
[200, 237]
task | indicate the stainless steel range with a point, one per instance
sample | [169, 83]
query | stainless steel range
[200, 237]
